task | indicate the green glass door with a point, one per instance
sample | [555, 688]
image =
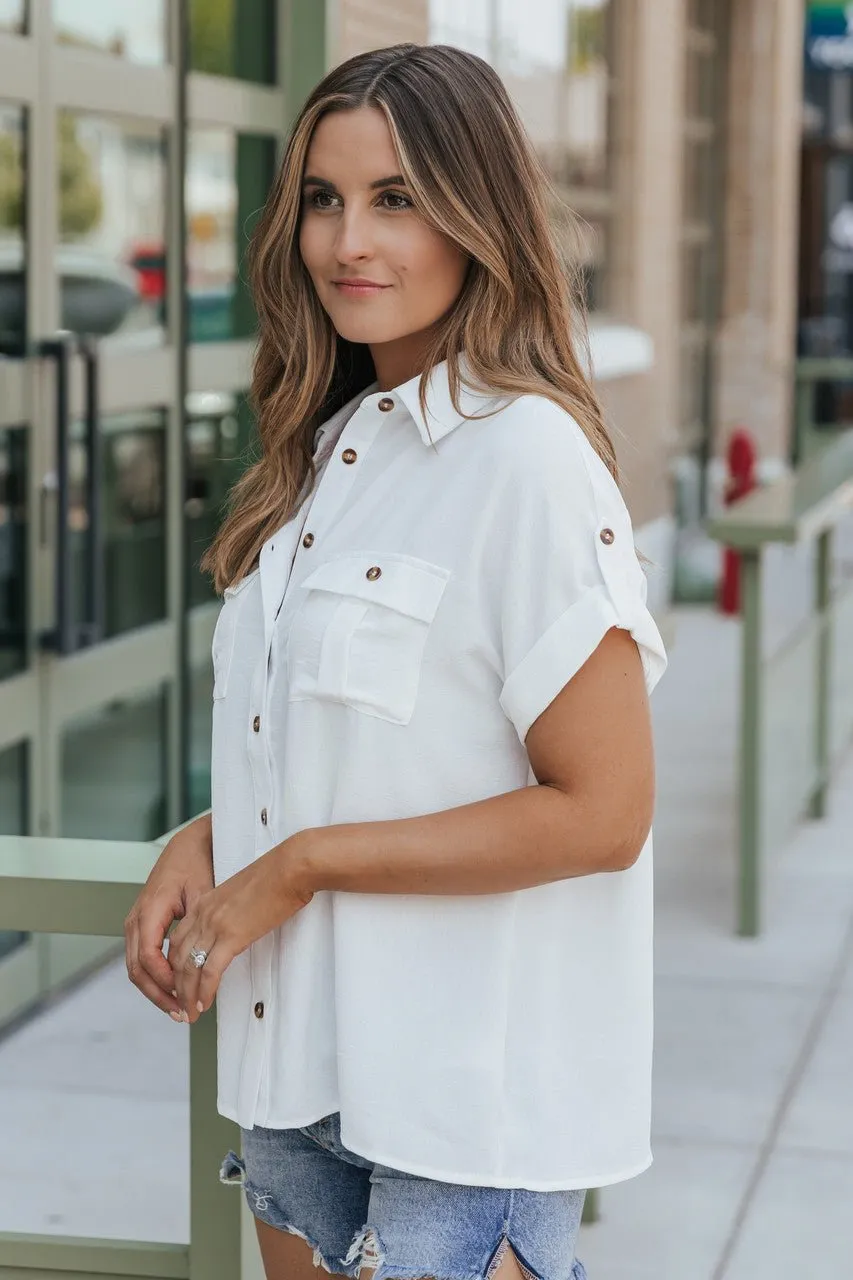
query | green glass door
[90, 438]
[138, 140]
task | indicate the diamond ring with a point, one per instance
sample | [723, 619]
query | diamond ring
[197, 956]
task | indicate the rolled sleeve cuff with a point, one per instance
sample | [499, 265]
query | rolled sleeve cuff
[564, 648]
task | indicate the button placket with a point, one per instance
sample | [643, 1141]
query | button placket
[340, 474]
[254, 1076]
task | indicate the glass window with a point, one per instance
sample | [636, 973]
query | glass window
[132, 29]
[13, 550]
[13, 16]
[219, 433]
[114, 771]
[199, 737]
[558, 70]
[227, 180]
[112, 228]
[13, 818]
[132, 521]
[12, 190]
[223, 44]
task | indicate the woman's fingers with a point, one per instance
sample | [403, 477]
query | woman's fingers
[199, 985]
[210, 977]
[139, 974]
[202, 929]
[189, 936]
[152, 930]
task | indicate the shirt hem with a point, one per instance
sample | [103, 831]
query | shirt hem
[233, 1113]
[570, 1182]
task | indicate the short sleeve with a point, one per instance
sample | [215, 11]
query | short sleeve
[571, 572]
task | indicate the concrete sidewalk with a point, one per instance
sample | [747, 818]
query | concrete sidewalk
[753, 1172]
[753, 1175]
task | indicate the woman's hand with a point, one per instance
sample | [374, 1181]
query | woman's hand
[181, 876]
[228, 919]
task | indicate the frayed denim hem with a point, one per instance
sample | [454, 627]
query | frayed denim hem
[233, 1174]
[367, 1250]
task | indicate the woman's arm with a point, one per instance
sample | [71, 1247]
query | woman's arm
[591, 750]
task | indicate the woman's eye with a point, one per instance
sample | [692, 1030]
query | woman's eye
[317, 199]
[397, 200]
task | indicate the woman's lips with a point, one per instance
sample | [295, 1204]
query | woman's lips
[356, 290]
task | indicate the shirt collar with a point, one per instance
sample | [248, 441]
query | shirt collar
[341, 416]
[441, 418]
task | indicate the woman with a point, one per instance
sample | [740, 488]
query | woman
[430, 932]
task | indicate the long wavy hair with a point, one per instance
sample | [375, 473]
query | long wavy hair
[473, 174]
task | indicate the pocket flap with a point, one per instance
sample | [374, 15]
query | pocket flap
[413, 587]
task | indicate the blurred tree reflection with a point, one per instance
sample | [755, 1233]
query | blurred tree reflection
[211, 35]
[220, 45]
[11, 182]
[80, 196]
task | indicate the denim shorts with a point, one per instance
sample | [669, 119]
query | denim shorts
[355, 1213]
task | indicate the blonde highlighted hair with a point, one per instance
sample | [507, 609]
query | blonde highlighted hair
[472, 174]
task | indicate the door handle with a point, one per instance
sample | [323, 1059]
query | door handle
[93, 626]
[69, 633]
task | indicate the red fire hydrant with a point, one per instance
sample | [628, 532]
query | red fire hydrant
[741, 480]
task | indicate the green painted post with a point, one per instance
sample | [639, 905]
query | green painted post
[803, 418]
[822, 604]
[751, 745]
[214, 1209]
[591, 1207]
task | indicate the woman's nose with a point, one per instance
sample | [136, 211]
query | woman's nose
[354, 239]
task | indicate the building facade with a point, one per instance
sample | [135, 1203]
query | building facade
[138, 139]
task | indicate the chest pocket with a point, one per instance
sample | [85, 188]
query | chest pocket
[359, 636]
[225, 633]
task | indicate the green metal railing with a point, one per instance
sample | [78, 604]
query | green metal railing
[810, 435]
[796, 714]
[87, 887]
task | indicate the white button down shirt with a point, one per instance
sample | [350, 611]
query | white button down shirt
[442, 583]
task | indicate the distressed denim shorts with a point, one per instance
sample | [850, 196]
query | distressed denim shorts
[355, 1213]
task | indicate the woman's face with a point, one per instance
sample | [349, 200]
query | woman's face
[380, 271]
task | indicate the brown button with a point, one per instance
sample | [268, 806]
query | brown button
[259, 1009]
[374, 573]
[385, 404]
[349, 455]
[264, 816]
[308, 540]
[256, 724]
[607, 536]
